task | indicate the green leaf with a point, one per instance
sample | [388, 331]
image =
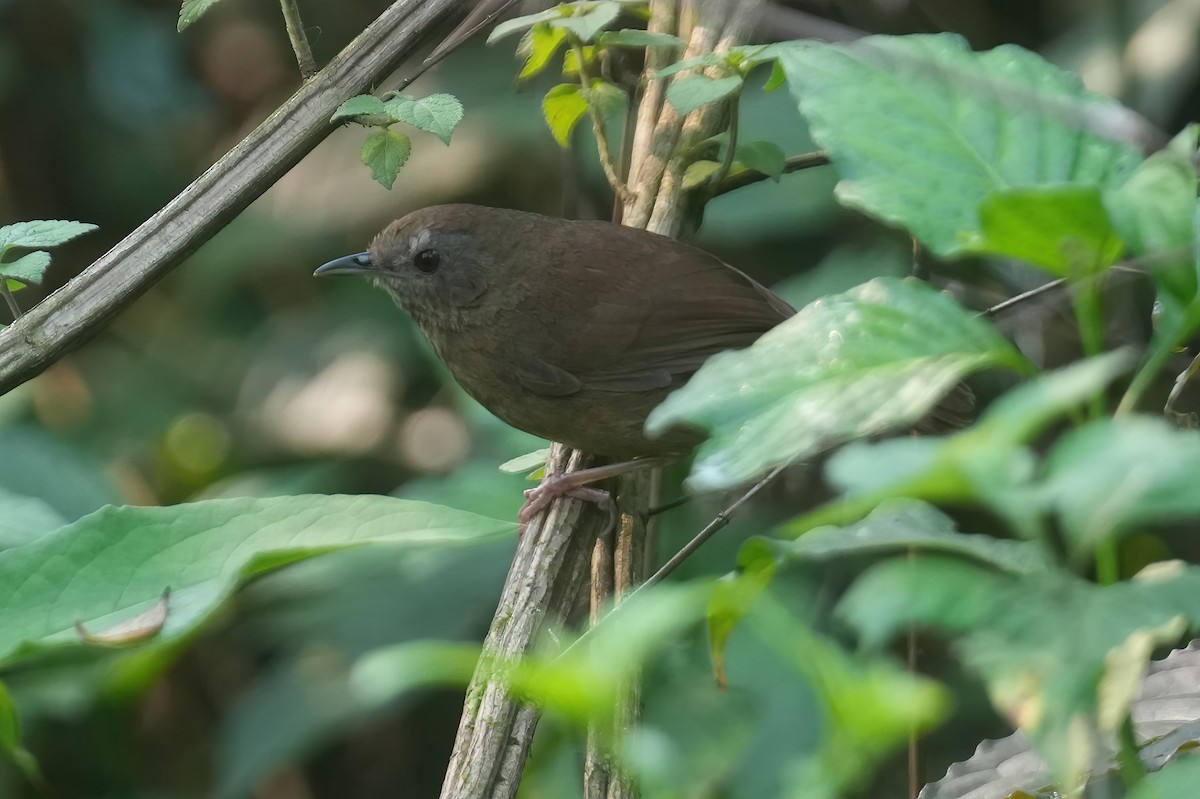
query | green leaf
[521, 23]
[732, 598]
[366, 109]
[1063, 229]
[762, 156]
[115, 563]
[904, 524]
[698, 173]
[694, 91]
[988, 463]
[776, 79]
[1111, 476]
[25, 519]
[192, 10]
[700, 61]
[606, 98]
[538, 46]
[563, 107]
[874, 358]
[639, 38]
[1155, 212]
[438, 114]
[1061, 657]
[41, 233]
[528, 462]
[960, 126]
[589, 19]
[28, 270]
[385, 152]
[1175, 781]
[870, 706]
[571, 60]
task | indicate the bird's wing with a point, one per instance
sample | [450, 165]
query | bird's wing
[652, 327]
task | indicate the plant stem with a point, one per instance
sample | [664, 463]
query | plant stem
[794, 163]
[295, 29]
[10, 299]
[1128, 763]
[605, 152]
[730, 146]
[1090, 319]
[1108, 562]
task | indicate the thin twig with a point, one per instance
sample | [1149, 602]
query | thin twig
[749, 177]
[295, 29]
[730, 146]
[602, 146]
[1024, 296]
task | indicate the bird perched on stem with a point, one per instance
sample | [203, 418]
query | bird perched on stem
[572, 331]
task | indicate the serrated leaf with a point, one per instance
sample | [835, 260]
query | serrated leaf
[876, 357]
[563, 107]
[586, 22]
[699, 173]
[115, 563]
[192, 10]
[517, 24]
[41, 233]
[1063, 229]
[695, 91]
[571, 60]
[438, 114]
[762, 156]
[961, 125]
[606, 98]
[363, 105]
[638, 38]
[538, 46]
[385, 152]
[28, 270]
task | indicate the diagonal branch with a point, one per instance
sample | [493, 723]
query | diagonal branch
[76, 311]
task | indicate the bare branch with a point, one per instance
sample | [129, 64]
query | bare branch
[73, 313]
[295, 29]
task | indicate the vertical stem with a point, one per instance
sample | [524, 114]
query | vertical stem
[605, 151]
[731, 145]
[10, 299]
[295, 29]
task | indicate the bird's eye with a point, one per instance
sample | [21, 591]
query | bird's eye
[427, 261]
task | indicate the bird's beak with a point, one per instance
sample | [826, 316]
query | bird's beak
[357, 264]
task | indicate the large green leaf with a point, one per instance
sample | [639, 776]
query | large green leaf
[538, 46]
[438, 114]
[853, 364]
[1062, 658]
[989, 463]
[1174, 782]
[116, 563]
[693, 91]
[384, 152]
[28, 270]
[1113, 475]
[921, 129]
[563, 107]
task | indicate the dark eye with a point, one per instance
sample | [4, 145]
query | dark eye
[427, 260]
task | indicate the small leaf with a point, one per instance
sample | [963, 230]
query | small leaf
[606, 98]
[538, 46]
[192, 10]
[42, 233]
[438, 114]
[777, 78]
[366, 109]
[1063, 229]
[732, 598]
[571, 60]
[762, 156]
[521, 23]
[692, 92]
[563, 107]
[876, 357]
[385, 152]
[522, 464]
[28, 270]
[10, 737]
[639, 38]
[699, 173]
[588, 24]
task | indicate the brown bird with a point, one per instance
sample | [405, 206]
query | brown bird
[572, 331]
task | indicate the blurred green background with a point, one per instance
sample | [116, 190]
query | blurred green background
[240, 375]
